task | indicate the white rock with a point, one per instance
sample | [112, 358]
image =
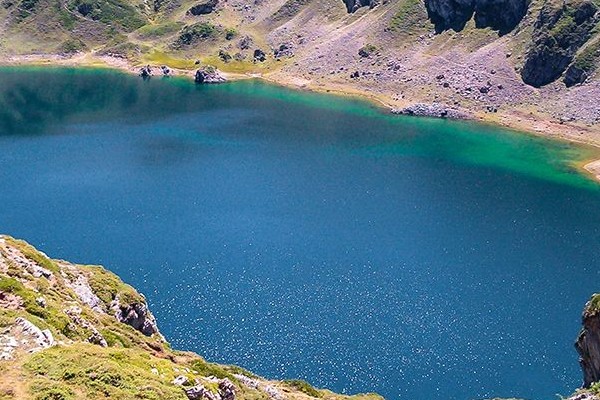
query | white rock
[180, 380]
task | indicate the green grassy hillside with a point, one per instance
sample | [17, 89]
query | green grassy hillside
[61, 339]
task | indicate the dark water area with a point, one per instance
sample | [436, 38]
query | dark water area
[310, 236]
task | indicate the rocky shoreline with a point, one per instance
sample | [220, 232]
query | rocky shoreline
[207, 74]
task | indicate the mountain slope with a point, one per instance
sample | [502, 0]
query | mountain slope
[529, 64]
[78, 332]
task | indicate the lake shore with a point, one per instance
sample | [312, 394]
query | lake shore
[514, 119]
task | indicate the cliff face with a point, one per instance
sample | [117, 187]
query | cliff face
[353, 5]
[560, 30]
[78, 332]
[588, 342]
[500, 15]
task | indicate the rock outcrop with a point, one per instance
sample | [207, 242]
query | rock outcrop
[500, 15]
[146, 72]
[588, 342]
[209, 74]
[135, 315]
[430, 110]
[225, 391]
[259, 55]
[574, 75]
[560, 30]
[353, 5]
[205, 7]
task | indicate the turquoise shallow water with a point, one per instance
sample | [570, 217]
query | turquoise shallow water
[311, 236]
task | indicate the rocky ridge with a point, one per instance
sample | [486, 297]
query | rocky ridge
[71, 332]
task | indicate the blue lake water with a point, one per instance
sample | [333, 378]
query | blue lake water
[310, 236]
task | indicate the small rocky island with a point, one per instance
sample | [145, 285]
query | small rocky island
[72, 331]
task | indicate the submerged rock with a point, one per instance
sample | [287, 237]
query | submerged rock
[166, 70]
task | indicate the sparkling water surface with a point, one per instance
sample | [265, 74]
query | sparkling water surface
[310, 236]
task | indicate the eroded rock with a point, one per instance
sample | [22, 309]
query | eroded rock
[205, 7]
[209, 74]
[353, 5]
[227, 389]
[560, 31]
[199, 392]
[135, 315]
[80, 285]
[42, 338]
[575, 75]
[259, 55]
[500, 15]
[588, 342]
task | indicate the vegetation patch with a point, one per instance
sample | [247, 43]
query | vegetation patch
[289, 9]
[125, 49]
[26, 8]
[587, 59]
[156, 31]
[71, 46]
[561, 29]
[230, 33]
[368, 50]
[119, 12]
[107, 286]
[193, 33]
[303, 387]
[52, 391]
[13, 286]
[100, 373]
[31, 253]
[410, 18]
[205, 368]
[161, 58]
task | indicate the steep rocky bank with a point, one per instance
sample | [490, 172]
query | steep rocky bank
[588, 342]
[71, 332]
